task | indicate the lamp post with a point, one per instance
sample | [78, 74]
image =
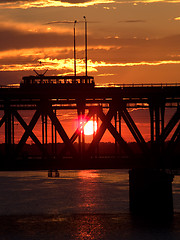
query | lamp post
[85, 23]
[63, 22]
[75, 47]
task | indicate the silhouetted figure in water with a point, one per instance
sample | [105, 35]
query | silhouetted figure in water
[56, 173]
[50, 173]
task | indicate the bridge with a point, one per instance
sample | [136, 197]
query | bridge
[108, 106]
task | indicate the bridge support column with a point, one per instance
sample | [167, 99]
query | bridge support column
[150, 193]
[9, 130]
[115, 125]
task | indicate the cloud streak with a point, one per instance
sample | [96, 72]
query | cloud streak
[27, 36]
[67, 65]
[28, 47]
[133, 21]
[177, 18]
[51, 3]
[149, 1]
[25, 4]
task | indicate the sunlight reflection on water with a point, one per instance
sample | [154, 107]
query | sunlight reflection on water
[89, 227]
[86, 204]
[86, 191]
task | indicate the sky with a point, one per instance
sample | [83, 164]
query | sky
[129, 41]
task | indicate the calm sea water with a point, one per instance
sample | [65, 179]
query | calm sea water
[87, 204]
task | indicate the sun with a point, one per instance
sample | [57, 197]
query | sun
[90, 127]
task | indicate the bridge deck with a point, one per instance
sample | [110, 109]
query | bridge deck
[101, 93]
[116, 100]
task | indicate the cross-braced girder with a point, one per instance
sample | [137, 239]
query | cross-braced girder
[108, 109]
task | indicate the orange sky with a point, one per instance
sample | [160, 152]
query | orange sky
[129, 41]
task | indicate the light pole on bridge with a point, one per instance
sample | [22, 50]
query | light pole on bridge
[75, 47]
[85, 24]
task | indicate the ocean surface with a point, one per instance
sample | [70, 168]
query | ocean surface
[86, 204]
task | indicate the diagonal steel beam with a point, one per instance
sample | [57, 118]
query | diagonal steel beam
[174, 140]
[176, 136]
[28, 131]
[77, 132]
[115, 134]
[2, 120]
[100, 132]
[31, 134]
[134, 130]
[171, 124]
[61, 130]
[1, 123]
[106, 124]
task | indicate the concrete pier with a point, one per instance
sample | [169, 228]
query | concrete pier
[150, 193]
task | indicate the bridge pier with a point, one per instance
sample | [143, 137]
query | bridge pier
[9, 130]
[150, 193]
[81, 119]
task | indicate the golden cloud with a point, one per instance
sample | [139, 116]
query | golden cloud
[105, 74]
[35, 53]
[68, 65]
[132, 64]
[73, 3]
[52, 3]
[177, 19]
[150, 1]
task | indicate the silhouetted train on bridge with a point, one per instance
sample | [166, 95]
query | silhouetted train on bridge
[42, 81]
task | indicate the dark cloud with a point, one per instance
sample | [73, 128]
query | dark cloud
[14, 1]
[75, 1]
[16, 76]
[11, 77]
[136, 50]
[133, 21]
[109, 50]
[65, 1]
[57, 22]
[13, 39]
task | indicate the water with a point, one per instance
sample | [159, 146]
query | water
[87, 204]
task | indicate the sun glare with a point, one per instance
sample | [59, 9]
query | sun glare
[90, 127]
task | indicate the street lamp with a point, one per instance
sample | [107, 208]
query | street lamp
[85, 23]
[63, 22]
[75, 47]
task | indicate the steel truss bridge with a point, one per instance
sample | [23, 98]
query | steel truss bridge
[108, 106]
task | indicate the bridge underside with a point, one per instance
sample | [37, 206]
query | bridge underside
[110, 108]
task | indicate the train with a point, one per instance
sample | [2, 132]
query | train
[42, 81]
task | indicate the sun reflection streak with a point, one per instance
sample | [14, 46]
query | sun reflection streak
[88, 189]
[89, 225]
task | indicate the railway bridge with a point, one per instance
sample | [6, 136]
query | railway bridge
[50, 96]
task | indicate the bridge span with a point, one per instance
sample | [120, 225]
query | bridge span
[109, 107]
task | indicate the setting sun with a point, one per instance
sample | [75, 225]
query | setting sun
[90, 127]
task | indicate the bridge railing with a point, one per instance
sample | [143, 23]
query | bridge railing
[108, 85]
